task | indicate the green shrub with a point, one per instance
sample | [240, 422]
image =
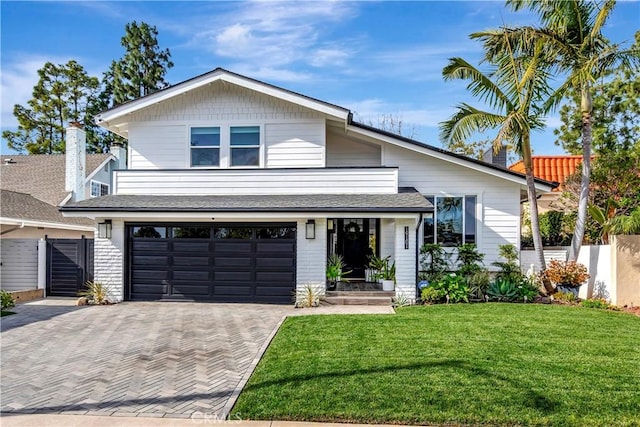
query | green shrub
[6, 300]
[434, 262]
[509, 269]
[478, 284]
[431, 295]
[565, 297]
[596, 303]
[454, 288]
[469, 259]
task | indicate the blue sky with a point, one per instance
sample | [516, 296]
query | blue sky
[374, 58]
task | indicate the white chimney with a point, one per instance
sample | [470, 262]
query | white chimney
[76, 160]
[120, 153]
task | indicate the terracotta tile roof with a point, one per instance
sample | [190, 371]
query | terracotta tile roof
[41, 175]
[551, 168]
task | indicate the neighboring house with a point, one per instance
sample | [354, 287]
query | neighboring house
[551, 168]
[238, 190]
[32, 187]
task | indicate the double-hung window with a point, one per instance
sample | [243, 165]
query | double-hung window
[245, 146]
[453, 221]
[205, 146]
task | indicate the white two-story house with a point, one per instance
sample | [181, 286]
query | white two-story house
[238, 190]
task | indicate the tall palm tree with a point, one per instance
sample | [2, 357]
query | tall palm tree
[514, 90]
[575, 47]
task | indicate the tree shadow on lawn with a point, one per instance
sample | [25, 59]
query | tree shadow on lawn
[537, 401]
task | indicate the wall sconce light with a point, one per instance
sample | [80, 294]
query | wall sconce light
[330, 224]
[310, 230]
[104, 229]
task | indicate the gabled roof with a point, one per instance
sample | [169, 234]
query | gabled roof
[106, 118]
[21, 208]
[551, 168]
[113, 119]
[40, 175]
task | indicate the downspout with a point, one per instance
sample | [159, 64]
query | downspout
[418, 251]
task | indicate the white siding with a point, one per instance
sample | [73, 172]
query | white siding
[265, 181]
[158, 146]
[405, 258]
[295, 144]
[343, 151]
[498, 200]
[109, 261]
[19, 270]
[311, 255]
[387, 237]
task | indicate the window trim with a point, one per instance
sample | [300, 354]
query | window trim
[191, 147]
[259, 146]
[95, 181]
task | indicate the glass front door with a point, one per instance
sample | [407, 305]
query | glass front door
[356, 240]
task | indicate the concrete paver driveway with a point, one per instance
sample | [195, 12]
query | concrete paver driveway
[131, 359]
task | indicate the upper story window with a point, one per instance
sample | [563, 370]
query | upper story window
[245, 146]
[205, 146]
[99, 189]
[453, 221]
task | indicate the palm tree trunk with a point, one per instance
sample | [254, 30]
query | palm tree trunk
[578, 233]
[533, 210]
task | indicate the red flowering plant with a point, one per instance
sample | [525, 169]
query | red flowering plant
[566, 273]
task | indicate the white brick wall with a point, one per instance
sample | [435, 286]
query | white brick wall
[312, 254]
[108, 266]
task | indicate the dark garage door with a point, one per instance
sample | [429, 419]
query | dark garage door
[254, 263]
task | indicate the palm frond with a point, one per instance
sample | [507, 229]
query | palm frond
[467, 121]
[480, 85]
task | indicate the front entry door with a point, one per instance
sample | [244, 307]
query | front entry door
[356, 242]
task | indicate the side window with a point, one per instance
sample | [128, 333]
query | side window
[205, 146]
[245, 146]
[99, 189]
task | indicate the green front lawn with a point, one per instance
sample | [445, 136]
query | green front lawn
[495, 364]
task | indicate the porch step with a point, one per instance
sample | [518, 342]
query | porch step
[357, 300]
[358, 294]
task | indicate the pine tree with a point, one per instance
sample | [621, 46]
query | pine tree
[142, 69]
[64, 93]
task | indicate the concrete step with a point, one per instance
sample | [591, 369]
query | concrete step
[353, 300]
[359, 294]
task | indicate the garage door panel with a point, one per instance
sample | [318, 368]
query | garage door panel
[243, 247]
[274, 263]
[236, 276]
[195, 261]
[195, 275]
[188, 245]
[143, 260]
[189, 289]
[155, 289]
[151, 245]
[232, 288]
[149, 275]
[222, 267]
[275, 246]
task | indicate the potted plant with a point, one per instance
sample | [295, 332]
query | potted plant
[335, 270]
[388, 275]
[376, 265]
[568, 276]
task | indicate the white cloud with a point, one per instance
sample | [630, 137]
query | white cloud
[273, 35]
[372, 110]
[16, 84]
